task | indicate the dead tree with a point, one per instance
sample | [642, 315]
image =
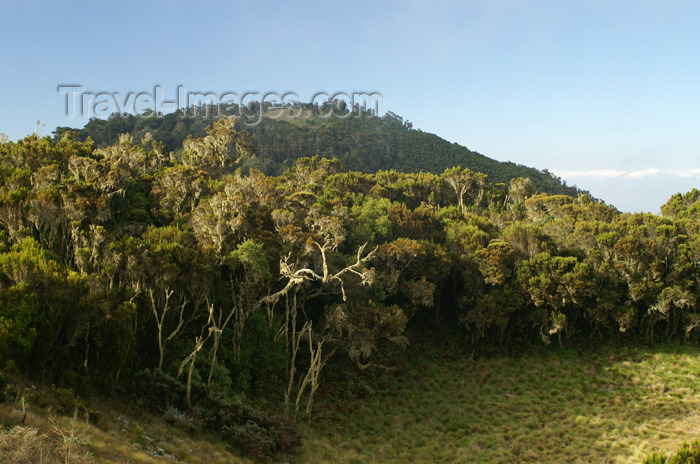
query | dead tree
[199, 341]
[160, 319]
[296, 278]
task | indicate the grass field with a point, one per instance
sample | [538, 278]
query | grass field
[615, 406]
[548, 406]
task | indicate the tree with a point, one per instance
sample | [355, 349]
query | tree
[249, 279]
[165, 267]
[496, 262]
[559, 287]
[520, 189]
[464, 182]
[303, 281]
[220, 150]
[47, 309]
[159, 312]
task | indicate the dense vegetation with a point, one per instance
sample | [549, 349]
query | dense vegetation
[364, 144]
[227, 293]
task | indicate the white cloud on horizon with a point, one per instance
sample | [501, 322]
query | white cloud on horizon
[603, 174]
[641, 173]
[686, 173]
[610, 173]
[633, 190]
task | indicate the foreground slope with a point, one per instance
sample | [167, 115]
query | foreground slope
[612, 405]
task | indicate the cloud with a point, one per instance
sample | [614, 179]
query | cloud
[687, 173]
[608, 173]
[605, 174]
[640, 173]
[597, 173]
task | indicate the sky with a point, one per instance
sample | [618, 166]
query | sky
[605, 94]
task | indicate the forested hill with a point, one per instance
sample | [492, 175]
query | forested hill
[231, 298]
[365, 144]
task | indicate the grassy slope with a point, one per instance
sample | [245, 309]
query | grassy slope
[547, 407]
[119, 437]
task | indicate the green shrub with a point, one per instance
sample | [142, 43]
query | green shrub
[67, 403]
[158, 391]
[188, 422]
[687, 454]
[655, 458]
[255, 432]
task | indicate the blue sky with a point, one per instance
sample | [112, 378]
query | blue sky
[604, 93]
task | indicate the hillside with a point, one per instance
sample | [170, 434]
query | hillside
[364, 144]
[247, 305]
[605, 405]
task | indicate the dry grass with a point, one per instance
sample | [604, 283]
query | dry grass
[22, 444]
[118, 438]
[26, 445]
[547, 407]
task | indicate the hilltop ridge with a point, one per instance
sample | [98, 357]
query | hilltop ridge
[365, 144]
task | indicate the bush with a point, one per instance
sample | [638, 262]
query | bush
[655, 458]
[25, 445]
[255, 432]
[67, 402]
[158, 391]
[188, 422]
[687, 454]
[5, 386]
